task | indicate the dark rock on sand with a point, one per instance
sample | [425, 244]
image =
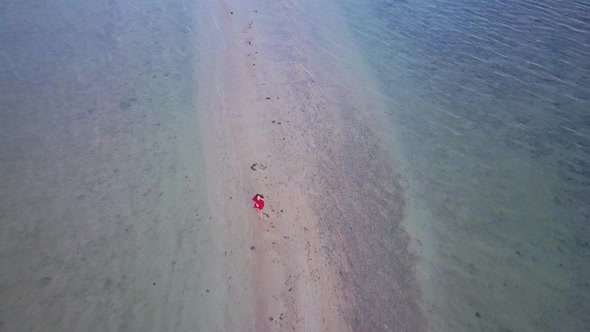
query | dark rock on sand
[477, 315]
[43, 281]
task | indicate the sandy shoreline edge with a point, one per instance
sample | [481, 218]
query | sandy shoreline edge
[291, 284]
[316, 260]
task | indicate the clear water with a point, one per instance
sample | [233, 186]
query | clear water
[490, 101]
[100, 165]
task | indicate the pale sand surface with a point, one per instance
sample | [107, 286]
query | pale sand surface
[294, 286]
[334, 254]
[127, 205]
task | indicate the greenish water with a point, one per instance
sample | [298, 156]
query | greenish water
[100, 165]
[489, 102]
[487, 163]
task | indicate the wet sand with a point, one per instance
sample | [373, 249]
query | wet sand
[129, 167]
[253, 148]
[333, 254]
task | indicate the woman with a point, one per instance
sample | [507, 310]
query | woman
[259, 204]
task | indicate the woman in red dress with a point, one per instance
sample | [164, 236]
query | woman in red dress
[259, 204]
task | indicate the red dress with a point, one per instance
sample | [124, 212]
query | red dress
[258, 203]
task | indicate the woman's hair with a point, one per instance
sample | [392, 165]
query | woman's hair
[261, 196]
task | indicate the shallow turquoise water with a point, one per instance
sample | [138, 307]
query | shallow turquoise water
[100, 165]
[490, 102]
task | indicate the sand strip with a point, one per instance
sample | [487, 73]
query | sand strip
[293, 285]
[332, 254]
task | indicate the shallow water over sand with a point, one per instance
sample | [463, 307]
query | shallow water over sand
[103, 224]
[463, 124]
[489, 101]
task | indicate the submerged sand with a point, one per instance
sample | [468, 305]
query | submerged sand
[126, 205]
